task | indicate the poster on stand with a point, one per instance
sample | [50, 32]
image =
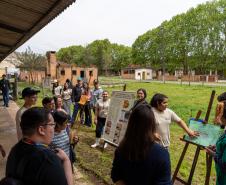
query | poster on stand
[118, 115]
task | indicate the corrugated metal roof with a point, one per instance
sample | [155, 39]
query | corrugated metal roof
[21, 19]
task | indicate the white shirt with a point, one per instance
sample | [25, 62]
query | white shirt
[18, 120]
[163, 121]
[57, 90]
[103, 107]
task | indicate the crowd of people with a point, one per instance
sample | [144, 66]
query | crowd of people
[45, 151]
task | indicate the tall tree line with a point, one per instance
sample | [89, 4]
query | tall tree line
[195, 40]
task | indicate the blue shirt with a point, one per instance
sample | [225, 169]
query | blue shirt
[154, 170]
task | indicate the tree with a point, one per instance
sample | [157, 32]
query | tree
[121, 57]
[31, 62]
[72, 55]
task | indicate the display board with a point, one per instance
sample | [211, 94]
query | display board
[209, 133]
[118, 115]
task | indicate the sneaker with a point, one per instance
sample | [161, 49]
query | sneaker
[95, 145]
[105, 145]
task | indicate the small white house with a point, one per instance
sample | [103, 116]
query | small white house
[137, 73]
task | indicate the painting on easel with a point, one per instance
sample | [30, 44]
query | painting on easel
[208, 133]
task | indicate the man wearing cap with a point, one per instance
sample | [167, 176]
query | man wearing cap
[5, 87]
[30, 97]
[76, 95]
[57, 89]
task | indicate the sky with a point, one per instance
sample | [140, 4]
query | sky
[120, 21]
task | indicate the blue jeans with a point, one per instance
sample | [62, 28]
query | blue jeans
[5, 95]
[75, 112]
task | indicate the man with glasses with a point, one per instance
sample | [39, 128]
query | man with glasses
[31, 160]
[30, 98]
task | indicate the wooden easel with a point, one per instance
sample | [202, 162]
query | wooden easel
[198, 149]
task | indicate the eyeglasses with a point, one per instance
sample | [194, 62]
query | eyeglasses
[50, 124]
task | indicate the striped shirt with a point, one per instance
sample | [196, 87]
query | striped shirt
[61, 140]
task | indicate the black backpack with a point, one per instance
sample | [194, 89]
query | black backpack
[19, 174]
[10, 181]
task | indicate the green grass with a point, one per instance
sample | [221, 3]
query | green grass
[184, 100]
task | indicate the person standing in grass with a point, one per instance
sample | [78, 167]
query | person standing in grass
[141, 98]
[66, 95]
[218, 152]
[220, 116]
[139, 160]
[96, 94]
[101, 113]
[164, 117]
[30, 98]
[76, 95]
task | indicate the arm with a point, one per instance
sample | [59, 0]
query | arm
[9, 85]
[96, 113]
[219, 113]
[66, 165]
[190, 132]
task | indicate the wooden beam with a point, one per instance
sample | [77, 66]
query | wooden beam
[11, 28]
[5, 45]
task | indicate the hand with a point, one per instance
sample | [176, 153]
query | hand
[2, 151]
[157, 137]
[212, 147]
[210, 151]
[61, 154]
[192, 133]
[75, 139]
[95, 121]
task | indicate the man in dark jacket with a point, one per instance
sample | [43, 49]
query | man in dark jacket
[5, 87]
[76, 95]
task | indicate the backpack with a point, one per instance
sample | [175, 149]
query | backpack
[10, 181]
[19, 174]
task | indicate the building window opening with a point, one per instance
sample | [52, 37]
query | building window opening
[74, 72]
[90, 73]
[62, 72]
[82, 74]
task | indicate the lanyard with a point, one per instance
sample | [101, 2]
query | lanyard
[30, 142]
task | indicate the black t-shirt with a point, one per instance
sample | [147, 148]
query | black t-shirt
[41, 165]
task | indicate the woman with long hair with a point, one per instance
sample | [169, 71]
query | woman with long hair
[164, 117]
[139, 159]
[141, 98]
[66, 95]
